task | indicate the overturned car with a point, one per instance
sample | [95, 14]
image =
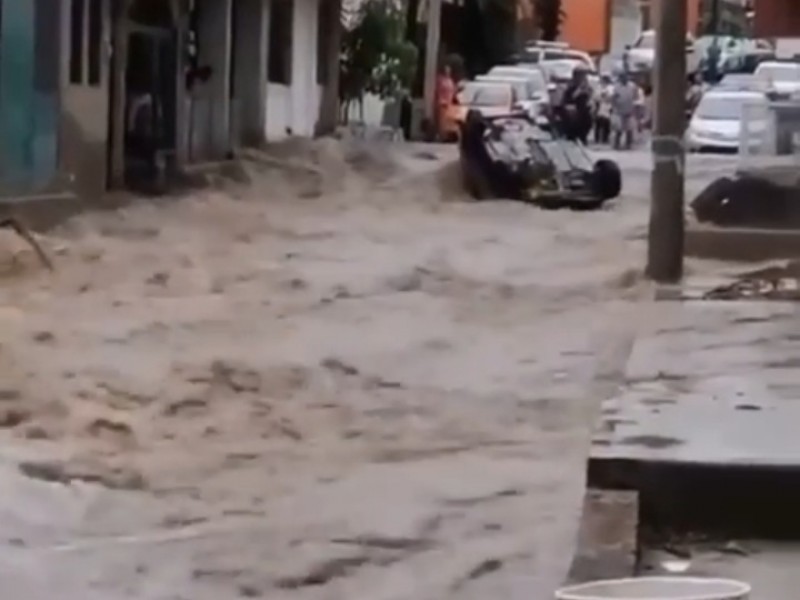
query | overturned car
[511, 157]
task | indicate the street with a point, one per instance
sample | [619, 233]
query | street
[343, 383]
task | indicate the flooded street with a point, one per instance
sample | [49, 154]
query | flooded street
[320, 386]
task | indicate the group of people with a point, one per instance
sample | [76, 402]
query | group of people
[616, 111]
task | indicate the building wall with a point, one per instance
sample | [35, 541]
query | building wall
[29, 95]
[587, 24]
[292, 110]
[249, 73]
[85, 105]
[651, 7]
[210, 133]
[626, 25]
[777, 18]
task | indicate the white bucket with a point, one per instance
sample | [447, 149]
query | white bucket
[658, 588]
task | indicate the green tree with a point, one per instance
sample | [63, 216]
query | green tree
[549, 16]
[376, 57]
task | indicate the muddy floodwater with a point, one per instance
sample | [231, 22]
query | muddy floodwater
[341, 380]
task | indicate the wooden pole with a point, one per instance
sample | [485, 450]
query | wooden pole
[432, 57]
[666, 235]
[119, 65]
[329, 104]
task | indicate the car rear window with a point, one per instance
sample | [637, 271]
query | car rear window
[485, 95]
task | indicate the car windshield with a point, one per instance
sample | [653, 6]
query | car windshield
[647, 41]
[788, 72]
[485, 95]
[724, 108]
[534, 79]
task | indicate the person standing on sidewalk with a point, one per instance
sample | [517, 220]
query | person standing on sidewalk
[602, 120]
[445, 94]
[623, 111]
[578, 107]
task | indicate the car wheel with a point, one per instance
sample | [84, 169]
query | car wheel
[606, 179]
[708, 204]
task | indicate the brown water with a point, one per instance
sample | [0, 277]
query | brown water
[342, 381]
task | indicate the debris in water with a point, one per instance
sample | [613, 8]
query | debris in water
[655, 442]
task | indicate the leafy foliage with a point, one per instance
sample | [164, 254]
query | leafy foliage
[376, 58]
[549, 16]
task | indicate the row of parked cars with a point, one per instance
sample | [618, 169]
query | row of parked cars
[739, 101]
[529, 86]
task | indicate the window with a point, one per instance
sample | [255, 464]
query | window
[325, 24]
[86, 42]
[76, 42]
[281, 22]
[95, 41]
[725, 108]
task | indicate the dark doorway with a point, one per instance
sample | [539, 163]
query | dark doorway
[150, 103]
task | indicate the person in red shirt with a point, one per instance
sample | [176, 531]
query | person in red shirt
[445, 94]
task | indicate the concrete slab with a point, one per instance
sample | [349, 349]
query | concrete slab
[710, 404]
[715, 384]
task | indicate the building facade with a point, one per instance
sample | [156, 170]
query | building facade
[92, 88]
[777, 18]
[29, 95]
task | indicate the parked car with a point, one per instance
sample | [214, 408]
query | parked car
[746, 62]
[559, 71]
[720, 116]
[782, 79]
[740, 82]
[535, 77]
[487, 97]
[541, 52]
[533, 101]
[641, 56]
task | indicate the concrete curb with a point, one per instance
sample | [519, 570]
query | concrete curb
[607, 537]
[741, 244]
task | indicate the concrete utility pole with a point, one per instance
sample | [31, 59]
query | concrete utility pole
[665, 251]
[432, 57]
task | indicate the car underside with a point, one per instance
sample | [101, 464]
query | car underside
[511, 157]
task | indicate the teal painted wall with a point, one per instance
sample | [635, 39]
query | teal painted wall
[29, 83]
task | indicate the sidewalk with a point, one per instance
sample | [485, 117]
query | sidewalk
[702, 433]
[711, 382]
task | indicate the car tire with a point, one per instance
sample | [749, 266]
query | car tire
[606, 179]
[706, 206]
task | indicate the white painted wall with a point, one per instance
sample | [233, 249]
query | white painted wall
[626, 25]
[373, 111]
[293, 109]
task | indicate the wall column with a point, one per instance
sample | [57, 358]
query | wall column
[214, 38]
[250, 71]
